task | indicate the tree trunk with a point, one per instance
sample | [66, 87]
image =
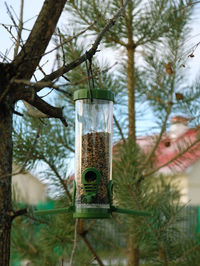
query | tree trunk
[131, 92]
[5, 179]
[133, 252]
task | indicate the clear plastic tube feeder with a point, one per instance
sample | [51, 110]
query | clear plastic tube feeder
[93, 153]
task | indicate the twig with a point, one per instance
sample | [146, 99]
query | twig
[10, 32]
[188, 5]
[75, 242]
[61, 45]
[119, 128]
[53, 168]
[186, 254]
[83, 234]
[10, 15]
[19, 30]
[69, 39]
[92, 259]
[18, 213]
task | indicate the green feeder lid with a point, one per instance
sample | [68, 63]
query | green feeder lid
[96, 94]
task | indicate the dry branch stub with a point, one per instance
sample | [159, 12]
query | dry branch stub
[93, 153]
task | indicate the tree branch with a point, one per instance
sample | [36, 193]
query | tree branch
[64, 69]
[62, 181]
[32, 98]
[19, 29]
[32, 51]
[18, 213]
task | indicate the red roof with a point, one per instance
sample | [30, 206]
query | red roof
[169, 148]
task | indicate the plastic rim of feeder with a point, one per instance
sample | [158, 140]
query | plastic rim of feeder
[92, 213]
[96, 94]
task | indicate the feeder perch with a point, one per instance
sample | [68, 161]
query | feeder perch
[92, 192]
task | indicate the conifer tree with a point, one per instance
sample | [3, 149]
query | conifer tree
[156, 30]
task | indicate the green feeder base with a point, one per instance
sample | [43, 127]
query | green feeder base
[92, 213]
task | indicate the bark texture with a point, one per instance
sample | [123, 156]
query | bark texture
[133, 252]
[5, 179]
[131, 92]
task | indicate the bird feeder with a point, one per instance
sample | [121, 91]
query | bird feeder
[93, 153]
[92, 192]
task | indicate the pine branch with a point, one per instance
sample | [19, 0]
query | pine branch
[62, 181]
[119, 128]
[188, 252]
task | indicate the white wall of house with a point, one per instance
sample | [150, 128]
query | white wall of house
[193, 174]
[182, 183]
[27, 189]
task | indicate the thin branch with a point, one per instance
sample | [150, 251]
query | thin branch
[186, 254]
[83, 234]
[62, 181]
[75, 242]
[10, 25]
[64, 69]
[61, 45]
[10, 32]
[18, 213]
[10, 15]
[119, 128]
[69, 39]
[19, 30]
[190, 3]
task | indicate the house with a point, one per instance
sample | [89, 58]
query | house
[178, 153]
[26, 188]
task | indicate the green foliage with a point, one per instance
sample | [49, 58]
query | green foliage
[161, 233]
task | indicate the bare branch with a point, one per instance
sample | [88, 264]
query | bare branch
[10, 15]
[18, 213]
[19, 30]
[32, 111]
[51, 111]
[29, 57]
[69, 39]
[64, 69]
